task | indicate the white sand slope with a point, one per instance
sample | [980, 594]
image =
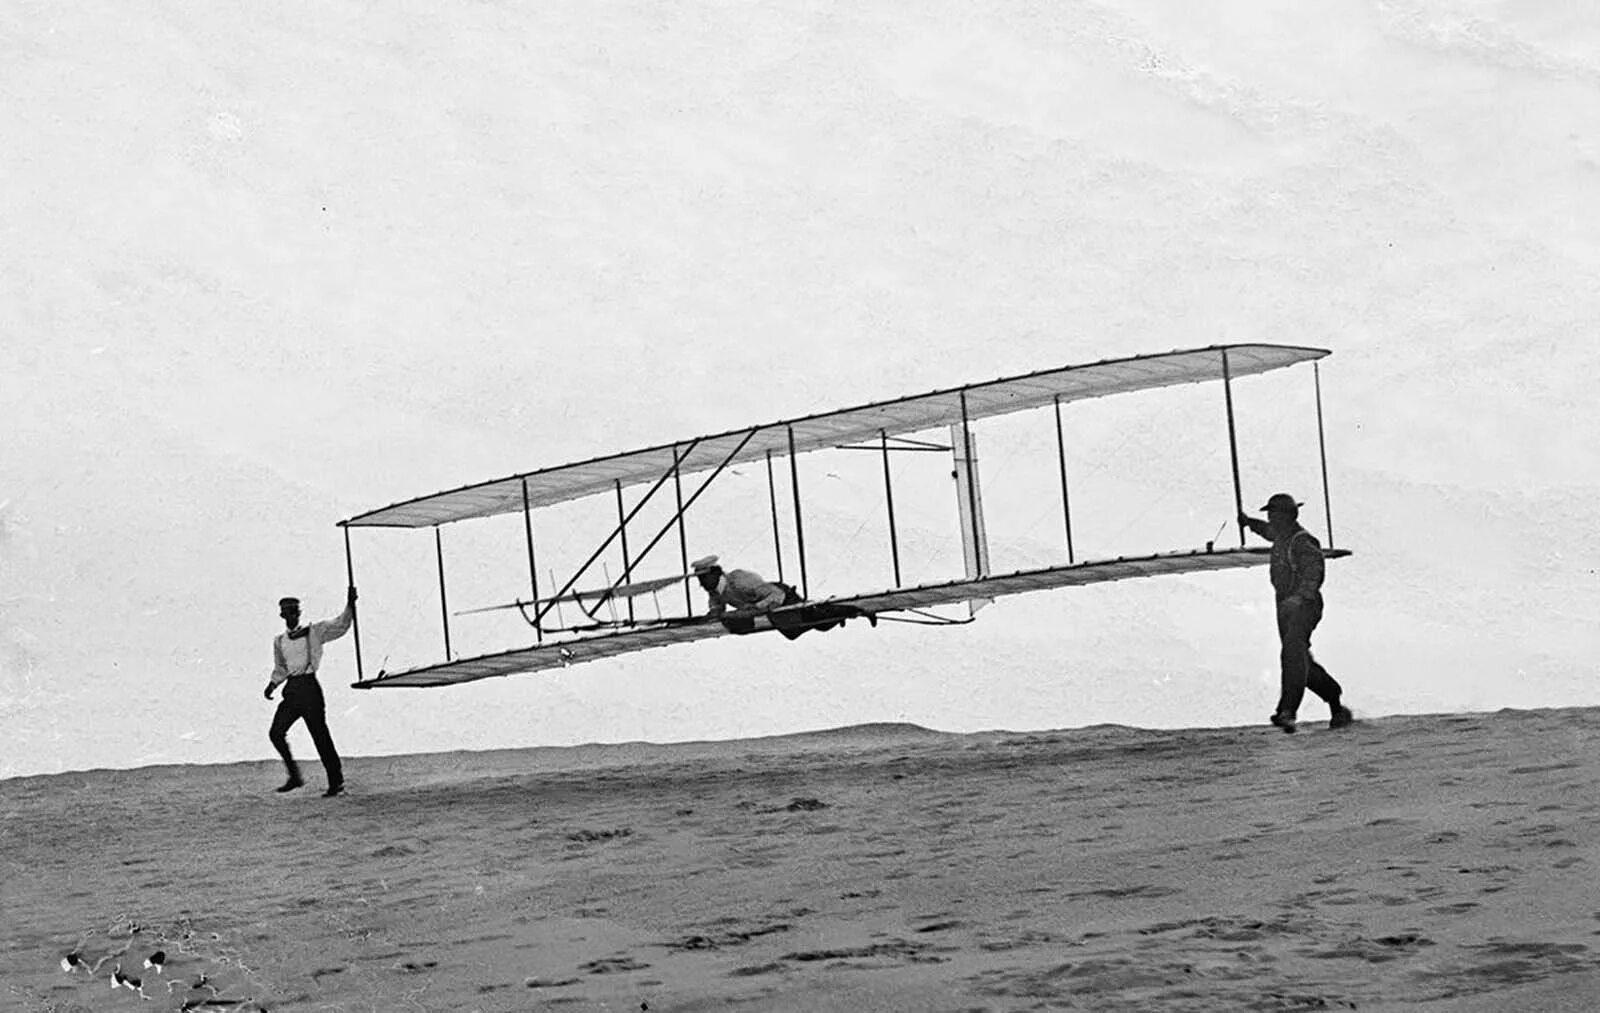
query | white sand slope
[1437, 862]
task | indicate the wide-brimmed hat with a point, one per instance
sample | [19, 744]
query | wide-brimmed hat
[703, 564]
[1282, 501]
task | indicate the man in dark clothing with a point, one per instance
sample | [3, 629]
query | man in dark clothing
[296, 653]
[1297, 570]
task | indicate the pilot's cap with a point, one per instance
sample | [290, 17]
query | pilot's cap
[1283, 502]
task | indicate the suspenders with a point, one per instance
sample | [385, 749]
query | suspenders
[1288, 553]
[309, 670]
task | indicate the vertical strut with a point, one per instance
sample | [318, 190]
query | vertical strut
[972, 488]
[627, 564]
[444, 608]
[1233, 443]
[355, 618]
[533, 570]
[799, 526]
[683, 537]
[1322, 452]
[888, 494]
[1061, 457]
[772, 498]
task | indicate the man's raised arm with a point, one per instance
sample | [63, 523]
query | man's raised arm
[333, 629]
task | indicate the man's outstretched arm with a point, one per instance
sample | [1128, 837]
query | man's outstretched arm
[1260, 527]
[715, 606]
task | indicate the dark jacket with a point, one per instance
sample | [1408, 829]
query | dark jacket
[1297, 565]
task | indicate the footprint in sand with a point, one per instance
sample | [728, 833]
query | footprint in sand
[1373, 951]
[734, 937]
[590, 836]
[944, 926]
[550, 982]
[1504, 962]
[415, 967]
[894, 951]
[1542, 768]
[613, 965]
[1144, 890]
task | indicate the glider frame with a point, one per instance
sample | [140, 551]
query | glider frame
[886, 425]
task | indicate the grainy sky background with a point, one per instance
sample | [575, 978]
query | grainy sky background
[268, 268]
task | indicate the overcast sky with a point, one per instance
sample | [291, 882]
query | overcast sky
[266, 268]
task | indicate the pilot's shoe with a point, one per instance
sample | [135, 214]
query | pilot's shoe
[1284, 721]
[1341, 717]
[291, 784]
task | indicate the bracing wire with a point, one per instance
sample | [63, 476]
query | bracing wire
[1282, 404]
[408, 626]
[928, 619]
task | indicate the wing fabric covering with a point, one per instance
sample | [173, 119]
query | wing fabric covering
[919, 413]
[549, 655]
[609, 645]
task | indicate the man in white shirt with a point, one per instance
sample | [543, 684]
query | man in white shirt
[296, 653]
[746, 593]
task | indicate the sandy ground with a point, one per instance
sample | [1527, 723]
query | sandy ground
[1443, 862]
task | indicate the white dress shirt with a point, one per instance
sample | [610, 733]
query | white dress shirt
[302, 655]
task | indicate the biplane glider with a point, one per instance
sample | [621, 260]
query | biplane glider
[882, 427]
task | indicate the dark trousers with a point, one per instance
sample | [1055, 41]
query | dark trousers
[1300, 670]
[302, 698]
[793, 624]
[822, 616]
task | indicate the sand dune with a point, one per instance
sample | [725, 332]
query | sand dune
[1441, 862]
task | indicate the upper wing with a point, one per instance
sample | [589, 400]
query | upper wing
[914, 414]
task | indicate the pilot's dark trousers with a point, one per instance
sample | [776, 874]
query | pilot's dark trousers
[1300, 670]
[302, 698]
[822, 616]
